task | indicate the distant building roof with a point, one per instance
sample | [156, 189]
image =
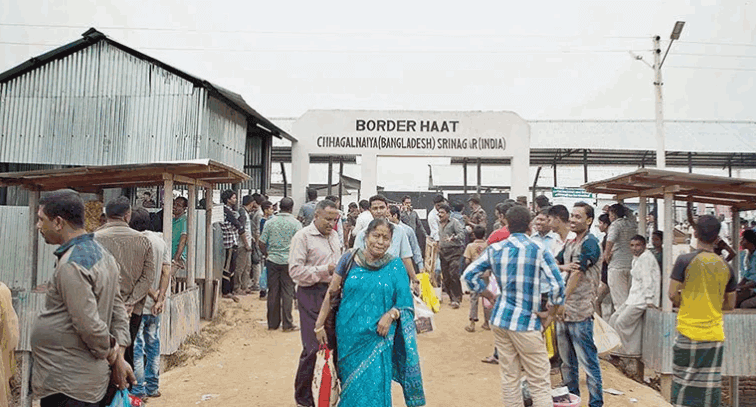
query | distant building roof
[92, 36]
[680, 135]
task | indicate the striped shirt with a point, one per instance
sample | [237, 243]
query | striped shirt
[133, 253]
[519, 266]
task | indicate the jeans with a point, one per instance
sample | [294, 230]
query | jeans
[576, 346]
[147, 356]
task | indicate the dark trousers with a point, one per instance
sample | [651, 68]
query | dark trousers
[450, 259]
[128, 353]
[309, 300]
[61, 400]
[229, 267]
[280, 295]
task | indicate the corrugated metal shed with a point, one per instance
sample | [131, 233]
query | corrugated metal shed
[98, 102]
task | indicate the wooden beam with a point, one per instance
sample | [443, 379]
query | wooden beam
[655, 192]
[181, 179]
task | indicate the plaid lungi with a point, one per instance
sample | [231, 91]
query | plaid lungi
[697, 368]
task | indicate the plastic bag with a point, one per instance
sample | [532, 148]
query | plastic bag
[121, 399]
[427, 293]
[604, 336]
[493, 287]
[264, 279]
[325, 383]
[423, 316]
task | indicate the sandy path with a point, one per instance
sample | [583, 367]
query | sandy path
[255, 367]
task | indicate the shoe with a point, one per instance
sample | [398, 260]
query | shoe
[263, 294]
[155, 394]
[491, 360]
[454, 305]
[470, 328]
[292, 329]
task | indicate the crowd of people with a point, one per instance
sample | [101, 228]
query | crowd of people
[539, 269]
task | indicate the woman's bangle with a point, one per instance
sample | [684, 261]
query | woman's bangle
[395, 315]
[318, 330]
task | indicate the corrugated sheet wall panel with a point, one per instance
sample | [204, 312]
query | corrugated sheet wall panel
[660, 329]
[15, 263]
[103, 106]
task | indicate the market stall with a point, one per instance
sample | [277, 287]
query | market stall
[660, 324]
[184, 308]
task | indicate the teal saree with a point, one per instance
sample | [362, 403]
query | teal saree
[367, 362]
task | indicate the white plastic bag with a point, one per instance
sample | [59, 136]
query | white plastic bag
[423, 316]
[493, 287]
[604, 336]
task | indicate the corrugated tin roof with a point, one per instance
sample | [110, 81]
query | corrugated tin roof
[93, 36]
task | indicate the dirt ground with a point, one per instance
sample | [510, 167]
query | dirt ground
[251, 366]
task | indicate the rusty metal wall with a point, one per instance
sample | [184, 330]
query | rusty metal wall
[103, 106]
[659, 331]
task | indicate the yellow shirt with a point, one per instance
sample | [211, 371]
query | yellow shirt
[706, 278]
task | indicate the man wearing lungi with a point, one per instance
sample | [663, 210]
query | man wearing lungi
[644, 292]
[702, 285]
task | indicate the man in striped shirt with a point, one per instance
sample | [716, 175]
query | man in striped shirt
[519, 266]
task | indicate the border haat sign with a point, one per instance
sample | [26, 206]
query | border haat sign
[410, 134]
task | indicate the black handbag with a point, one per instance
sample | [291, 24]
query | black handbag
[330, 322]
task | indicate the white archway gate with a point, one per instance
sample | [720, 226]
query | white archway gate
[373, 133]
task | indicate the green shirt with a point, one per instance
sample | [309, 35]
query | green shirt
[277, 234]
[179, 228]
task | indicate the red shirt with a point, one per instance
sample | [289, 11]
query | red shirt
[498, 235]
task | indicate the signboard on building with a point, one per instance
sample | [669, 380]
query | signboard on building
[572, 193]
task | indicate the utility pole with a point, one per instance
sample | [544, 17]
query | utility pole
[660, 155]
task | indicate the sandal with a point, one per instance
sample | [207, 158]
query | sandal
[486, 327]
[491, 360]
[470, 328]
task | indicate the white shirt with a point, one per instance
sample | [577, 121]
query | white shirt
[434, 223]
[362, 222]
[645, 274]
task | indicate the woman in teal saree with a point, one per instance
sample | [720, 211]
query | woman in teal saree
[375, 328]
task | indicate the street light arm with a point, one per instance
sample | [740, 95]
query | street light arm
[665, 54]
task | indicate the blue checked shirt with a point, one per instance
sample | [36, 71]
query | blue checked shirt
[519, 266]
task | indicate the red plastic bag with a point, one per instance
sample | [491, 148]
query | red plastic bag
[325, 384]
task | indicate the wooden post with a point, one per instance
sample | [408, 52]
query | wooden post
[665, 384]
[208, 300]
[734, 394]
[669, 233]
[642, 213]
[168, 211]
[735, 238]
[191, 230]
[34, 236]
[26, 369]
